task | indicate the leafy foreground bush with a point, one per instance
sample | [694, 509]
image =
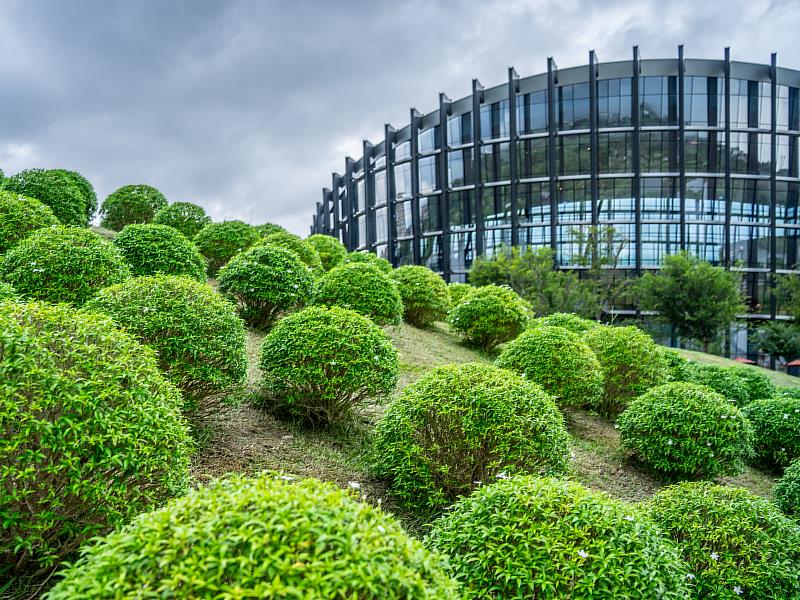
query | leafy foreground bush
[200, 342]
[458, 291]
[757, 382]
[131, 204]
[304, 251]
[219, 242]
[676, 364]
[265, 281]
[186, 217]
[723, 380]
[92, 433]
[489, 316]
[331, 251]
[550, 539]
[320, 362]
[369, 258]
[737, 544]
[56, 189]
[559, 361]
[631, 363]
[787, 492]
[424, 294]
[265, 537]
[7, 292]
[777, 430]
[460, 426]
[63, 264]
[569, 321]
[159, 249]
[266, 229]
[85, 188]
[686, 431]
[363, 288]
[19, 217]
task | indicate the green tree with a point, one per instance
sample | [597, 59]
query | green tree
[693, 296]
[788, 293]
[781, 340]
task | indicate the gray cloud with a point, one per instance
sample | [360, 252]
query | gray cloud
[247, 106]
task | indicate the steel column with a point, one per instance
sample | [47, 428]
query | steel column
[773, 185]
[552, 75]
[682, 145]
[369, 196]
[444, 199]
[415, 224]
[513, 88]
[391, 208]
[594, 138]
[727, 232]
[637, 161]
[477, 99]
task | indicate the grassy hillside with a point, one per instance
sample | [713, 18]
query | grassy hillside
[778, 377]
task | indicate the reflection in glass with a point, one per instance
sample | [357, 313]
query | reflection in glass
[750, 199]
[427, 169]
[573, 106]
[614, 152]
[428, 140]
[614, 103]
[532, 112]
[460, 167]
[403, 222]
[431, 252]
[495, 162]
[532, 158]
[462, 209]
[496, 202]
[615, 202]
[658, 104]
[533, 202]
[750, 246]
[380, 188]
[402, 151]
[495, 121]
[462, 250]
[705, 199]
[402, 181]
[459, 129]
[574, 200]
[381, 225]
[659, 151]
[429, 215]
[573, 154]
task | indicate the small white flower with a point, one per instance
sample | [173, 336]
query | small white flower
[714, 556]
[712, 455]
[287, 478]
[380, 501]
[785, 416]
[583, 553]
[381, 528]
[38, 270]
[689, 576]
[296, 286]
[354, 485]
[477, 482]
[629, 518]
[333, 362]
[708, 444]
[502, 475]
[724, 416]
[738, 590]
[669, 442]
[616, 426]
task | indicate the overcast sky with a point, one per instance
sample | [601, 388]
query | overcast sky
[245, 107]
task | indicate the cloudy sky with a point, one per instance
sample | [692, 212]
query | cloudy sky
[245, 107]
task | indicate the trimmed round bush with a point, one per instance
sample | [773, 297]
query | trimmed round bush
[787, 392]
[131, 204]
[304, 251]
[723, 380]
[92, 433]
[265, 281]
[631, 364]
[86, 190]
[458, 291]
[219, 242]
[63, 264]
[737, 544]
[266, 229]
[261, 537]
[321, 362]
[424, 295]
[459, 426]
[19, 217]
[199, 340]
[362, 256]
[7, 292]
[331, 251]
[559, 361]
[757, 382]
[56, 189]
[186, 217]
[489, 316]
[569, 321]
[363, 288]
[686, 431]
[676, 364]
[776, 422]
[549, 539]
[159, 249]
[787, 492]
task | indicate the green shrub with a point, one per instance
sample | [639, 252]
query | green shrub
[559, 361]
[265, 281]
[424, 295]
[787, 492]
[86, 190]
[19, 217]
[55, 189]
[304, 250]
[569, 321]
[776, 422]
[362, 288]
[723, 380]
[63, 264]
[199, 340]
[261, 537]
[489, 316]
[331, 251]
[7, 292]
[320, 362]
[186, 217]
[460, 425]
[737, 544]
[677, 365]
[159, 249]
[458, 291]
[787, 392]
[131, 204]
[686, 431]
[757, 382]
[550, 539]
[219, 242]
[92, 433]
[370, 258]
[268, 229]
[631, 364]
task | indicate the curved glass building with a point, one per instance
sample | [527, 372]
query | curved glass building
[674, 154]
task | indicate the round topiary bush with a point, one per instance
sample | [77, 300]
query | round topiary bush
[186, 217]
[489, 316]
[92, 433]
[266, 229]
[265, 281]
[370, 258]
[723, 380]
[550, 539]
[364, 289]
[676, 364]
[569, 321]
[7, 292]
[331, 251]
[320, 362]
[559, 361]
[304, 251]
[686, 431]
[757, 382]
[787, 392]
[462, 425]
[63, 264]
[631, 364]
[86, 190]
[261, 537]
[219, 242]
[56, 189]
[458, 291]
[737, 544]
[159, 249]
[787, 492]
[424, 295]
[199, 340]
[776, 422]
[131, 204]
[19, 217]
